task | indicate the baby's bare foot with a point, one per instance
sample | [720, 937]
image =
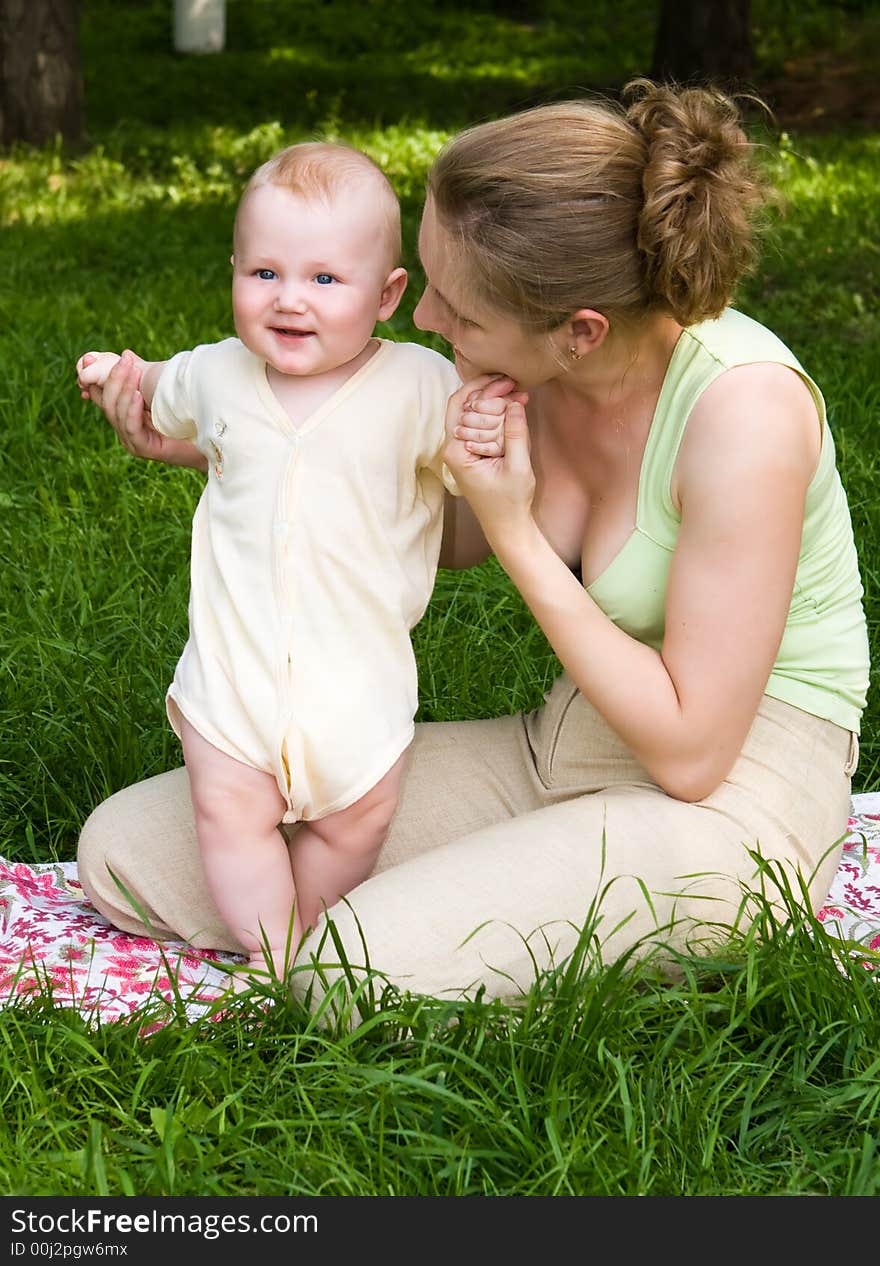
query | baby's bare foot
[256, 971]
[241, 980]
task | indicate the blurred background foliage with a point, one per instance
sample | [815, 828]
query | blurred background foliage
[381, 62]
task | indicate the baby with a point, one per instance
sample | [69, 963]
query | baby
[314, 544]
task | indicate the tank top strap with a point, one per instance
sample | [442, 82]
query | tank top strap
[702, 353]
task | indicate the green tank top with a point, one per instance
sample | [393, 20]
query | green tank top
[822, 665]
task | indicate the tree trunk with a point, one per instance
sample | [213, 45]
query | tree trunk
[40, 81]
[704, 41]
[199, 26]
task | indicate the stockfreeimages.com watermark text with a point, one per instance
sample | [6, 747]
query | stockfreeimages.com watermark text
[210, 1226]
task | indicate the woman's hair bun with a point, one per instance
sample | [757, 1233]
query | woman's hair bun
[702, 191]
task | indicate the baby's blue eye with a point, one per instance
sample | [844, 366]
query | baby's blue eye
[324, 279]
[266, 274]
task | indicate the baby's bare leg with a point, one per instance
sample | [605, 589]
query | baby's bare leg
[244, 855]
[332, 855]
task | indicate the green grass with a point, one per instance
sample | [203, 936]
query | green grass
[753, 1074]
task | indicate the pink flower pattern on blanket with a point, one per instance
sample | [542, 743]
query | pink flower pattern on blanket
[54, 941]
[852, 910]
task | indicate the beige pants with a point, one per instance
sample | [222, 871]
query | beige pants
[508, 833]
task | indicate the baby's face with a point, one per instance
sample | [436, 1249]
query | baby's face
[308, 278]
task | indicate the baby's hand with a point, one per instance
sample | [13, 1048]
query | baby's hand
[481, 424]
[92, 370]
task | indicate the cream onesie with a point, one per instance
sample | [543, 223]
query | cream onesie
[314, 553]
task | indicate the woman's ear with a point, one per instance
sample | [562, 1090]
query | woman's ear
[585, 331]
[392, 293]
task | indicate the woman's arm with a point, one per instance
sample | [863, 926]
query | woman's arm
[749, 453]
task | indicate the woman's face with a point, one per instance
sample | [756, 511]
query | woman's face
[482, 341]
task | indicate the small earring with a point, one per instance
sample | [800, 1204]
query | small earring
[574, 353]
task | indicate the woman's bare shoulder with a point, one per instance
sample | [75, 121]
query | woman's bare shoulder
[753, 419]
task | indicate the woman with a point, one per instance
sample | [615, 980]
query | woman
[668, 506]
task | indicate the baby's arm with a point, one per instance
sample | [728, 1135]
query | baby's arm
[93, 370]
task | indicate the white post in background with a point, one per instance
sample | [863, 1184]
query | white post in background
[199, 26]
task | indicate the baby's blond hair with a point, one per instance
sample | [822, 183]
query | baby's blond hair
[323, 170]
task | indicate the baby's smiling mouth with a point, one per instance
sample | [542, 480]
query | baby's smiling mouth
[283, 332]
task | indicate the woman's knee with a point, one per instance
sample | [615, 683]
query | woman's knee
[94, 852]
[142, 831]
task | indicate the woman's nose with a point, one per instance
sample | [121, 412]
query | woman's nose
[426, 315]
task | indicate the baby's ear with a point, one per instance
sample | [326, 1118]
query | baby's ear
[392, 293]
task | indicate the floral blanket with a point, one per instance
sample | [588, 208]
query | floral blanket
[53, 942]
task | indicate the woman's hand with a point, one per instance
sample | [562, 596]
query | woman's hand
[500, 489]
[123, 405]
[119, 398]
